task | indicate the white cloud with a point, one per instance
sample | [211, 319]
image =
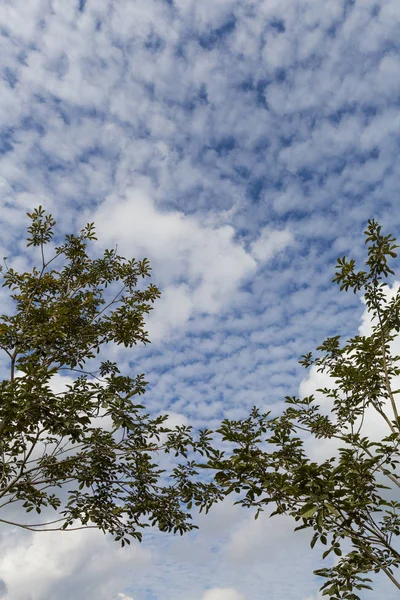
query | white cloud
[270, 243]
[258, 540]
[173, 311]
[201, 252]
[76, 562]
[222, 594]
[317, 596]
[95, 103]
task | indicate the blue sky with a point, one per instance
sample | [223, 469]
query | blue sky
[241, 145]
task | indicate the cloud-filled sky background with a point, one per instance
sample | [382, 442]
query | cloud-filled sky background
[241, 145]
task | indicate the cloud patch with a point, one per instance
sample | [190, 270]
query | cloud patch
[222, 594]
[70, 564]
[198, 262]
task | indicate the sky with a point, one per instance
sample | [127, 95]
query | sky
[242, 146]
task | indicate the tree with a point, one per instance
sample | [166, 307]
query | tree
[348, 500]
[89, 453]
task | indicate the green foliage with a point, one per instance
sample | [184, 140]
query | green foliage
[345, 500]
[89, 453]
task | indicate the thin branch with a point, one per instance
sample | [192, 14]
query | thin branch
[34, 527]
[21, 471]
[12, 365]
[384, 361]
[6, 350]
[388, 573]
[113, 301]
[44, 267]
[42, 252]
[82, 372]
[385, 417]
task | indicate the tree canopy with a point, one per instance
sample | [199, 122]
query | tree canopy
[350, 501]
[91, 456]
[90, 453]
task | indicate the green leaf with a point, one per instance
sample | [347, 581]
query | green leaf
[308, 511]
[332, 509]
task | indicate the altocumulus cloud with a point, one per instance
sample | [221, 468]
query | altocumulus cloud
[241, 145]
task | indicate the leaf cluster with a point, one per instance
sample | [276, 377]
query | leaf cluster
[90, 453]
[345, 499]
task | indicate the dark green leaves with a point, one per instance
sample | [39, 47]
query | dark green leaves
[88, 451]
[347, 499]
